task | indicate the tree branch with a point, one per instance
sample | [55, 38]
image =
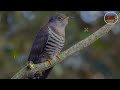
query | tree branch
[23, 73]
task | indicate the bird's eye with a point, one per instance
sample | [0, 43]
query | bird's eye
[59, 18]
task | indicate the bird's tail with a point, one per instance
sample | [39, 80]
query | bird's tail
[44, 74]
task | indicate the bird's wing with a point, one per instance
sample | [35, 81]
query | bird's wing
[39, 45]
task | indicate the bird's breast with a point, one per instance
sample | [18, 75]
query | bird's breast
[54, 44]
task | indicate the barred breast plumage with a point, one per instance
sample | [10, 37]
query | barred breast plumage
[54, 44]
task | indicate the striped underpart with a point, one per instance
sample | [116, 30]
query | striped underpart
[54, 44]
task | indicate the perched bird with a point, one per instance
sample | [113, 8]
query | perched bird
[49, 42]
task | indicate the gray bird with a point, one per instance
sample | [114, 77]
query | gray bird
[49, 42]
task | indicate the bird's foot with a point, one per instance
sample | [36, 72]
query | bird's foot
[50, 61]
[58, 56]
[31, 65]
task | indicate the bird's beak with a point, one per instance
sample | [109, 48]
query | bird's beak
[67, 18]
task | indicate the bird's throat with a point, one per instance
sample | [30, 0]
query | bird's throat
[57, 30]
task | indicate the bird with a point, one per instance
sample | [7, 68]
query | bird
[48, 43]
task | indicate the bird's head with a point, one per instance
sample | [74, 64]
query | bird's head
[59, 20]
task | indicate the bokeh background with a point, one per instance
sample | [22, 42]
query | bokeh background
[101, 60]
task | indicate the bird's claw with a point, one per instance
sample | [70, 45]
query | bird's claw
[50, 61]
[58, 56]
[31, 65]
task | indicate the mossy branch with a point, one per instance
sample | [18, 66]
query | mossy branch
[24, 73]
